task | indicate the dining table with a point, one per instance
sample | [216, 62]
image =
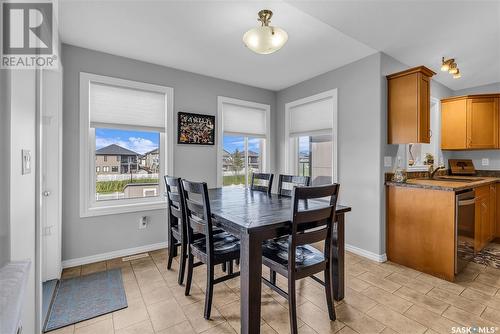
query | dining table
[256, 216]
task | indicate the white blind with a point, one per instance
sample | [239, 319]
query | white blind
[115, 107]
[313, 117]
[244, 120]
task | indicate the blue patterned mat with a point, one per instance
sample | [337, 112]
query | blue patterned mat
[85, 297]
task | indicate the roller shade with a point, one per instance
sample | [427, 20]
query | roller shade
[120, 107]
[313, 117]
[244, 120]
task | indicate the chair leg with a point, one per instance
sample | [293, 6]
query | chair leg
[272, 277]
[292, 305]
[329, 294]
[189, 277]
[209, 291]
[237, 261]
[223, 265]
[230, 267]
[182, 264]
[171, 247]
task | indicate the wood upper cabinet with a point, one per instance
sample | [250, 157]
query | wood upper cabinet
[470, 122]
[482, 122]
[409, 106]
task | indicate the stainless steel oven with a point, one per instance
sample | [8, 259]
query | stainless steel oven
[464, 228]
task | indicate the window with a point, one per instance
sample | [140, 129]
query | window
[123, 120]
[242, 156]
[314, 158]
[243, 137]
[311, 127]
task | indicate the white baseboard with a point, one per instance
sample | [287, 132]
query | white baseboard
[364, 253]
[111, 255]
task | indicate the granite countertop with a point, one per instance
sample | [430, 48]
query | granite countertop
[446, 185]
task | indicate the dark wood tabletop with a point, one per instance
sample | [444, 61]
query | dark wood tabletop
[255, 216]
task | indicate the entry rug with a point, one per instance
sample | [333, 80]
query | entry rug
[85, 297]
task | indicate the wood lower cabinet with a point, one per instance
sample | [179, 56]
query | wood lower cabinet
[421, 230]
[470, 122]
[482, 224]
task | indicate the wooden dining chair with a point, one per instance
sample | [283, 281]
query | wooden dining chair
[287, 182]
[212, 249]
[176, 229]
[262, 182]
[293, 256]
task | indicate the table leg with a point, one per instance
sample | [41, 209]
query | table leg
[337, 267]
[250, 278]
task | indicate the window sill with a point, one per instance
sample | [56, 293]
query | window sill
[115, 208]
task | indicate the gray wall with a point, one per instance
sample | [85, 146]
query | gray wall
[4, 166]
[491, 88]
[360, 136]
[192, 92]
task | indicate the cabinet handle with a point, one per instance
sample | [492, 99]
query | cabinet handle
[430, 133]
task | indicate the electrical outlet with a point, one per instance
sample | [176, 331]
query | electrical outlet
[485, 162]
[387, 161]
[143, 222]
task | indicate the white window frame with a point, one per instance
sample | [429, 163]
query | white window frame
[221, 100]
[89, 207]
[291, 168]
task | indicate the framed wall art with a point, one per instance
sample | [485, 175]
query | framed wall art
[195, 129]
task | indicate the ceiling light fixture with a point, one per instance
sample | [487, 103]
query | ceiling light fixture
[453, 69]
[449, 65]
[265, 39]
[445, 64]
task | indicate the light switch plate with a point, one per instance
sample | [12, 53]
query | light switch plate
[26, 163]
[485, 162]
[387, 161]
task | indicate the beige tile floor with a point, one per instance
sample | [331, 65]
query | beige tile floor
[380, 298]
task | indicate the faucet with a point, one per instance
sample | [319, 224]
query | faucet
[433, 171]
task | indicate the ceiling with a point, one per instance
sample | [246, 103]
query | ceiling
[421, 32]
[205, 36]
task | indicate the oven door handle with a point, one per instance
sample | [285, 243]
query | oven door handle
[467, 202]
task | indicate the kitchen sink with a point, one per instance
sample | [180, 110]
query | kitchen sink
[452, 179]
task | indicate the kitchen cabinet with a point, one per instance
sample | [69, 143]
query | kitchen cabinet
[409, 106]
[470, 122]
[483, 219]
[496, 223]
[493, 211]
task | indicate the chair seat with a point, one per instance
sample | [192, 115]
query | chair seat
[276, 251]
[226, 247]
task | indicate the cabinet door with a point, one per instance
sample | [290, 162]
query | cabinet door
[482, 227]
[482, 123]
[424, 109]
[493, 212]
[454, 124]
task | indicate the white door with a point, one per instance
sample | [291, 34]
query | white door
[51, 172]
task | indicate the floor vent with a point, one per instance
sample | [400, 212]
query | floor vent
[135, 257]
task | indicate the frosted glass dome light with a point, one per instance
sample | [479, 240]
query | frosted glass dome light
[265, 39]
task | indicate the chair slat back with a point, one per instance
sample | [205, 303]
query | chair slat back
[262, 182]
[198, 214]
[312, 222]
[287, 182]
[175, 201]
